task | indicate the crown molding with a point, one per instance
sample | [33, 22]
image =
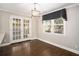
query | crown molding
[66, 7]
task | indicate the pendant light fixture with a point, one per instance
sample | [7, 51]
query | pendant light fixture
[35, 12]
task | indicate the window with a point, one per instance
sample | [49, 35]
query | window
[54, 25]
[58, 25]
[47, 26]
[54, 22]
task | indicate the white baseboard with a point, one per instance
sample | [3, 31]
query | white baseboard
[60, 46]
[6, 44]
[16, 41]
[55, 44]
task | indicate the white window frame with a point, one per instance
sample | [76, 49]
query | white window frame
[52, 27]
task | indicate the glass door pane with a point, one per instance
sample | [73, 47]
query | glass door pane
[16, 28]
[25, 28]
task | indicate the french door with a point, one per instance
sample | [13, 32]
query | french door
[19, 28]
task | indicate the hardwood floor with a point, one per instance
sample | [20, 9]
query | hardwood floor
[34, 48]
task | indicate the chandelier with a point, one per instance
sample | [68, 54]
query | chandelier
[35, 12]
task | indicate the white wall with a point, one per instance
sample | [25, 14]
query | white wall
[34, 27]
[71, 37]
[4, 18]
[4, 24]
[0, 21]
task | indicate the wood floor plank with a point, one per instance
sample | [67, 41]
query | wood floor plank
[34, 48]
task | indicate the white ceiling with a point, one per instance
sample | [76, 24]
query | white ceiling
[25, 8]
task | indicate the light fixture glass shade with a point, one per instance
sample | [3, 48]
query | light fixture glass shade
[35, 13]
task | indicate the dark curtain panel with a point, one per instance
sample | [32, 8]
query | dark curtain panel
[55, 15]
